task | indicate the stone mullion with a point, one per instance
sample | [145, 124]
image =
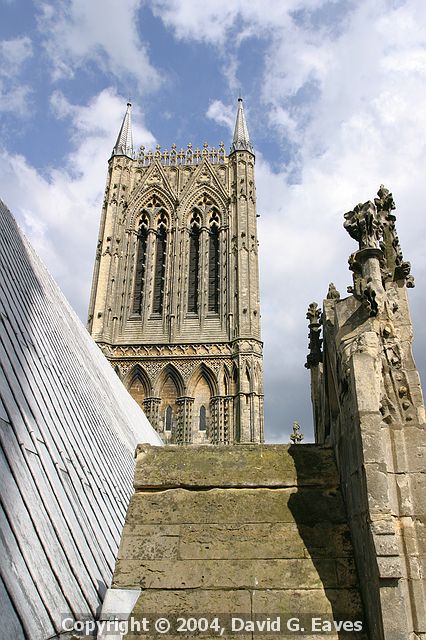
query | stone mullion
[185, 274]
[168, 280]
[149, 274]
[179, 278]
[203, 283]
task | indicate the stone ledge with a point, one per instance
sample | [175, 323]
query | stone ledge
[204, 466]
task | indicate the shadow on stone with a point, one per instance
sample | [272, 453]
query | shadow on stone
[320, 516]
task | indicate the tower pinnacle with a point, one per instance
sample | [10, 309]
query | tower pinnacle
[241, 140]
[124, 144]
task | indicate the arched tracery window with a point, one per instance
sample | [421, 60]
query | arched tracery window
[194, 261]
[160, 263]
[214, 262]
[139, 285]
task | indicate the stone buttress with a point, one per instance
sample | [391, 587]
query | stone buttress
[368, 404]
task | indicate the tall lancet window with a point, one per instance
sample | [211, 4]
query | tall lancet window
[214, 262]
[160, 264]
[194, 262]
[140, 270]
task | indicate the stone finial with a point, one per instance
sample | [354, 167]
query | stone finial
[332, 293]
[297, 436]
[364, 225]
[385, 201]
[396, 267]
[314, 316]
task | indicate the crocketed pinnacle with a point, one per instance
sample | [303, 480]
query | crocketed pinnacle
[241, 140]
[124, 144]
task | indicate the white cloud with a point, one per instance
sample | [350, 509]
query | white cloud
[13, 53]
[358, 123]
[14, 96]
[60, 208]
[78, 33]
[222, 114]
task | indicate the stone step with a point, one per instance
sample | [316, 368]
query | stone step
[235, 506]
[316, 609]
[302, 573]
[234, 466]
[235, 541]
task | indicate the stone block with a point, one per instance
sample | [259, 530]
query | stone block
[264, 540]
[218, 506]
[412, 488]
[389, 567]
[386, 545]
[414, 531]
[237, 466]
[150, 542]
[185, 601]
[410, 449]
[227, 574]
[377, 488]
[337, 602]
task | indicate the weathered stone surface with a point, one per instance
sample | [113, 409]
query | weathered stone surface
[181, 506]
[232, 574]
[264, 540]
[410, 450]
[239, 466]
[149, 542]
[231, 548]
[186, 601]
[337, 602]
[412, 489]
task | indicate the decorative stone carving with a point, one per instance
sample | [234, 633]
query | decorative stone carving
[314, 356]
[297, 436]
[332, 293]
[364, 224]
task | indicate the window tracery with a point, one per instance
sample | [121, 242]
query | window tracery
[139, 285]
[194, 261]
[160, 263]
[214, 262]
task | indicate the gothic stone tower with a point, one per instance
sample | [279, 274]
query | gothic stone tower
[175, 294]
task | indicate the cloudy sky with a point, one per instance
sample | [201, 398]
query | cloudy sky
[335, 95]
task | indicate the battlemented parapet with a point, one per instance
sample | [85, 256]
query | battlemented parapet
[368, 404]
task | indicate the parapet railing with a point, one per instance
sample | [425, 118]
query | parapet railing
[188, 156]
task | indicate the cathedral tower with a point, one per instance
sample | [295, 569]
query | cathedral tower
[175, 294]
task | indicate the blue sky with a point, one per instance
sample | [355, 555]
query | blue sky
[335, 98]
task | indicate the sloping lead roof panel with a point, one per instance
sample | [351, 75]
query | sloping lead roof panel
[68, 430]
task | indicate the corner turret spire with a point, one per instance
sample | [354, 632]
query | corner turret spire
[124, 144]
[241, 140]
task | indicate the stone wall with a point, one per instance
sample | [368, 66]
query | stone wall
[252, 531]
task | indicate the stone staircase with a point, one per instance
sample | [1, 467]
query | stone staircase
[257, 533]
